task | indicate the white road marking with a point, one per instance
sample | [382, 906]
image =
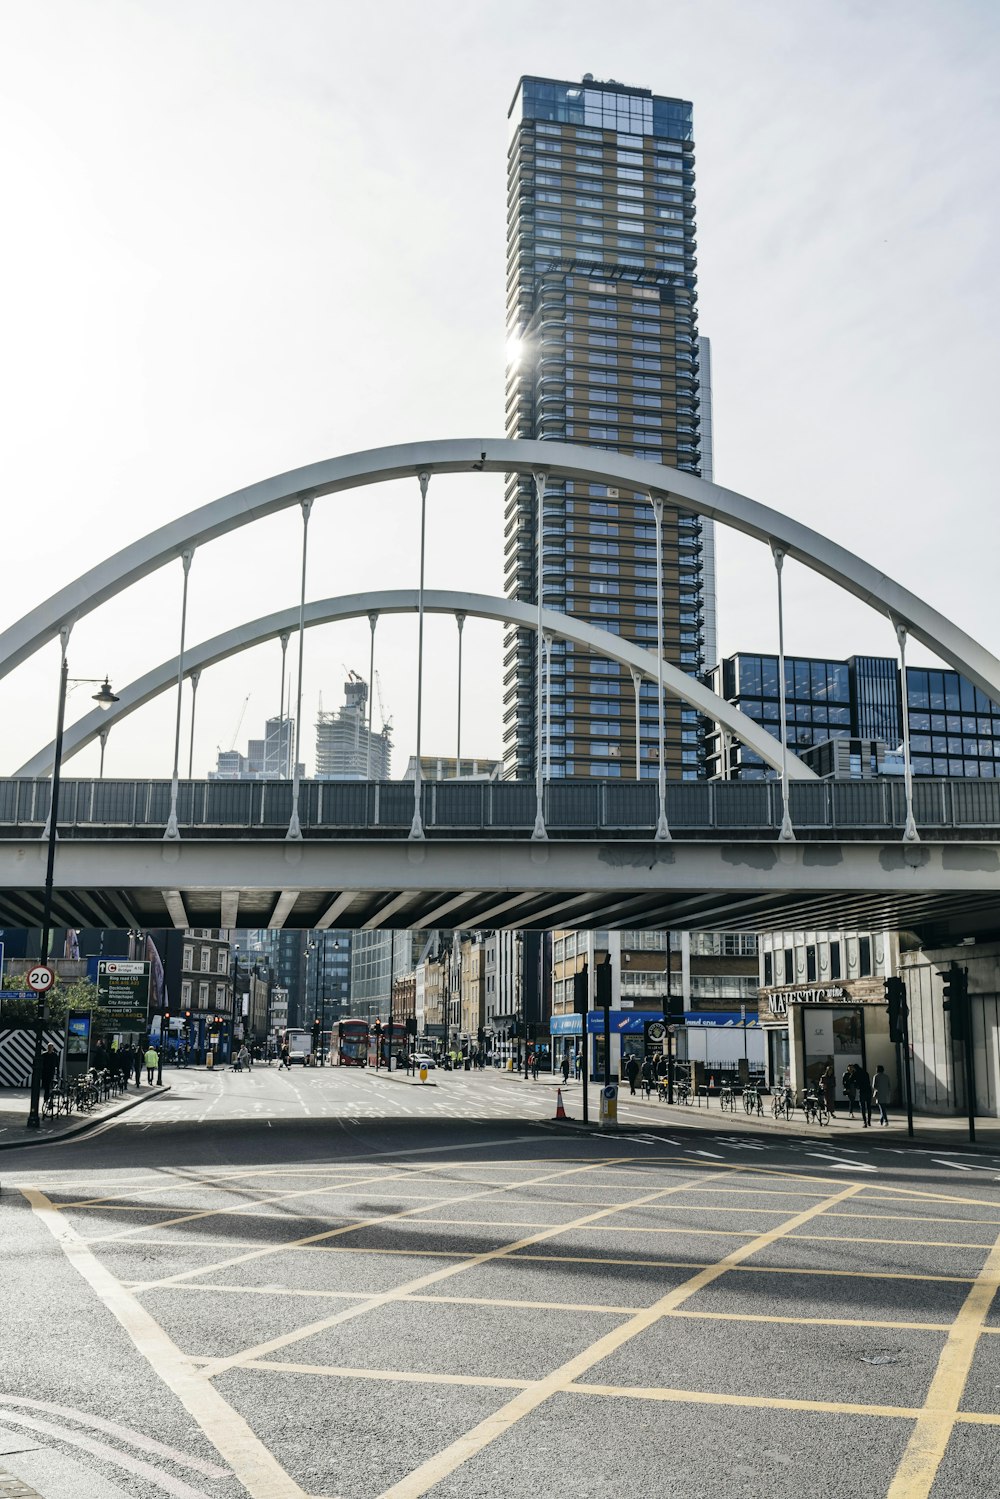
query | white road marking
[255, 1467]
[119, 1459]
[124, 1434]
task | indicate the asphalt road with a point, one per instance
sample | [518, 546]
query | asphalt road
[324, 1283]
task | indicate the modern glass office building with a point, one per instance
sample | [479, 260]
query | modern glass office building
[603, 351]
[954, 727]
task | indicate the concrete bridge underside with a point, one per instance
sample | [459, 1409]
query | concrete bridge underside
[940, 889]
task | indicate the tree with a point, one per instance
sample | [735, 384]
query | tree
[65, 995]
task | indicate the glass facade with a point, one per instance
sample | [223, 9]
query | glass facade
[954, 727]
[603, 352]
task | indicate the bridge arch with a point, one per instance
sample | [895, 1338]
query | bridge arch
[496, 455]
[404, 601]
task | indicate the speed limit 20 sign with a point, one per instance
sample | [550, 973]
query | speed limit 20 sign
[41, 978]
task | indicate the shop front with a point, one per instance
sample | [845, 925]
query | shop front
[813, 1026]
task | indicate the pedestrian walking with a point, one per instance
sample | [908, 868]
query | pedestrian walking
[50, 1070]
[137, 1057]
[850, 1083]
[534, 1065]
[123, 1064]
[882, 1091]
[647, 1076]
[151, 1060]
[828, 1084]
[285, 1058]
[100, 1057]
[631, 1072]
[578, 1064]
[864, 1095]
[565, 1067]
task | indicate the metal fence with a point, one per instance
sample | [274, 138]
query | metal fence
[465, 808]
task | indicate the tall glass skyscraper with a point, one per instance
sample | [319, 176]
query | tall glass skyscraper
[603, 351]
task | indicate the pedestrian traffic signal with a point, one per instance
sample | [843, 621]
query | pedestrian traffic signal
[956, 1000]
[604, 982]
[895, 1003]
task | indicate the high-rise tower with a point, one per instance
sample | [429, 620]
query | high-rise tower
[603, 351]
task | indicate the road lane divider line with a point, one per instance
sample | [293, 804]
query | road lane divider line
[935, 1422]
[222, 1212]
[250, 1461]
[319, 1240]
[456, 1454]
[385, 1298]
[397, 1376]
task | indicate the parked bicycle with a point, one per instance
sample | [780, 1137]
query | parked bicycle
[782, 1102]
[814, 1108]
[752, 1101]
[727, 1098]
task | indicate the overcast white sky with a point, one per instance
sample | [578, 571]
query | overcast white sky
[242, 236]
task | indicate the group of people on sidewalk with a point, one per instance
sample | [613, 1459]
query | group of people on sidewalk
[120, 1061]
[861, 1091]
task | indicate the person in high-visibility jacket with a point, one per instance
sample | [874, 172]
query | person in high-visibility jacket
[152, 1061]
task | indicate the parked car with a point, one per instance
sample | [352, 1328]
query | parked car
[421, 1059]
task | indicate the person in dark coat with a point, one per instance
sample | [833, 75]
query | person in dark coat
[137, 1057]
[631, 1072]
[864, 1096]
[50, 1070]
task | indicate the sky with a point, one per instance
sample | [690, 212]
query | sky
[246, 236]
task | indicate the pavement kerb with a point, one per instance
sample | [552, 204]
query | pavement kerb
[394, 1077]
[82, 1125]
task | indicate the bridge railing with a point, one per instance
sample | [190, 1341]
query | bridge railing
[749, 809]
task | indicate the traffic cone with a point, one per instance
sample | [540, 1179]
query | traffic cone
[560, 1112]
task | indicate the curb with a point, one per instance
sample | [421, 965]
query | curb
[393, 1077]
[84, 1124]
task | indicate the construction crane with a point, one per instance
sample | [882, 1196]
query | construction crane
[238, 723]
[386, 722]
[353, 676]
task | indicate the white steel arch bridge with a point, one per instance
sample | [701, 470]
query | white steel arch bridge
[824, 877]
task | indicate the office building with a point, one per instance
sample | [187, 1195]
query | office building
[267, 759]
[954, 727]
[603, 351]
[345, 749]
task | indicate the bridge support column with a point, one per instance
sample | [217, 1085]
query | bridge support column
[172, 831]
[787, 833]
[910, 834]
[372, 622]
[662, 828]
[294, 826]
[460, 622]
[539, 829]
[417, 827]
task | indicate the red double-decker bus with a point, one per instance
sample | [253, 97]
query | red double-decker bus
[352, 1043]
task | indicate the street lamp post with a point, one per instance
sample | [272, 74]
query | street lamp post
[104, 698]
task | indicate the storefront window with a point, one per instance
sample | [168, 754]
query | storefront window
[834, 1035]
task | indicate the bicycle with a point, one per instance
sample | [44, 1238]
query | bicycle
[727, 1098]
[782, 1103]
[752, 1101]
[815, 1110]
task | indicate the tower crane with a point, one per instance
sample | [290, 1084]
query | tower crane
[386, 722]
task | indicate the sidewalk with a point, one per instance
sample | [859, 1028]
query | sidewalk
[15, 1103]
[939, 1131]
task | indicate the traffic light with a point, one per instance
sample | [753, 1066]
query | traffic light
[604, 983]
[187, 1017]
[673, 1009]
[895, 1003]
[166, 1019]
[581, 991]
[956, 1000]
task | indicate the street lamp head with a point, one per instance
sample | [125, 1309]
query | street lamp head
[104, 697]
